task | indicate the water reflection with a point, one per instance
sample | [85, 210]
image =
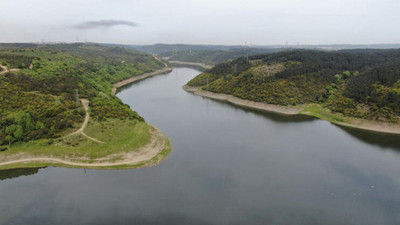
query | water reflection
[14, 173]
[379, 139]
[277, 117]
[229, 165]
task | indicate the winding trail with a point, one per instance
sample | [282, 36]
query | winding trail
[85, 104]
[148, 154]
[6, 70]
[145, 156]
[145, 153]
[158, 59]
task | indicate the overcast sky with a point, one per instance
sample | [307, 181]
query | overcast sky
[229, 22]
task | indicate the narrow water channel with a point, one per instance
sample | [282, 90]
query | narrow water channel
[228, 165]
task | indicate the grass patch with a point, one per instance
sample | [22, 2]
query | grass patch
[323, 113]
[120, 136]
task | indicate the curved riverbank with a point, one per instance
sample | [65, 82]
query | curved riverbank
[139, 77]
[130, 154]
[150, 154]
[195, 64]
[285, 110]
[313, 110]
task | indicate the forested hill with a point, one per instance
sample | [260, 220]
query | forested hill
[212, 57]
[41, 98]
[357, 83]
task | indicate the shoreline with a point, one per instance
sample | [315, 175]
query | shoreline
[122, 83]
[148, 155]
[182, 63]
[285, 110]
[355, 123]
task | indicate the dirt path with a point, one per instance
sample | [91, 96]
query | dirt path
[85, 104]
[158, 59]
[145, 153]
[6, 70]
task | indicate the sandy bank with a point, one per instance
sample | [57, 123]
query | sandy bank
[286, 110]
[139, 77]
[144, 156]
[356, 123]
[182, 63]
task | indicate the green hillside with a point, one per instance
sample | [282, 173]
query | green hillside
[40, 95]
[357, 83]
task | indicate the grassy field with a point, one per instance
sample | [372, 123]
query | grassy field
[320, 112]
[119, 136]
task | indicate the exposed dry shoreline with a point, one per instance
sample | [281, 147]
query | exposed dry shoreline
[140, 77]
[148, 155]
[356, 123]
[286, 110]
[202, 65]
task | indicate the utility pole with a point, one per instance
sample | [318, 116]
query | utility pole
[77, 99]
[247, 51]
[207, 84]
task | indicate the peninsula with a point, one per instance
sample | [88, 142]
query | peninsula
[58, 107]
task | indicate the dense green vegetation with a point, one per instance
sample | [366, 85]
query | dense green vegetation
[356, 83]
[41, 100]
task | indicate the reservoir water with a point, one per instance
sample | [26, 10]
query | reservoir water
[229, 165]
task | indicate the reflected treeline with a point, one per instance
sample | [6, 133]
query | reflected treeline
[14, 173]
[375, 138]
[278, 117]
[379, 139]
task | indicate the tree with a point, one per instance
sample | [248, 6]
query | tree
[10, 139]
[346, 74]
[19, 133]
[39, 125]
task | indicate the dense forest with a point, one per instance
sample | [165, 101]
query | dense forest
[41, 99]
[356, 83]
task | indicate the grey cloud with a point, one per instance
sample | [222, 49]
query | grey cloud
[103, 24]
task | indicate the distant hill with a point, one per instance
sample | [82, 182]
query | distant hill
[214, 54]
[212, 57]
[163, 48]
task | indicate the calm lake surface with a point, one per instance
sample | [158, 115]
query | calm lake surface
[228, 165]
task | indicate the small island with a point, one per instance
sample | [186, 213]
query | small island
[353, 88]
[58, 107]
